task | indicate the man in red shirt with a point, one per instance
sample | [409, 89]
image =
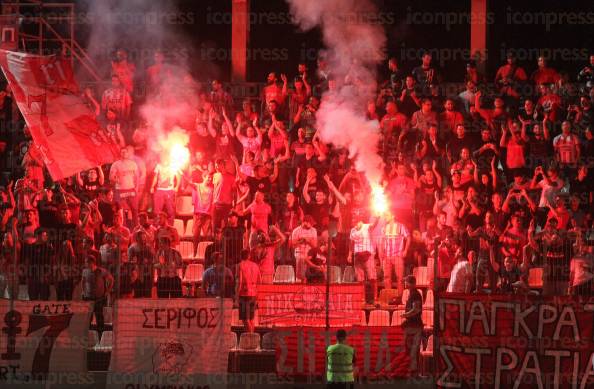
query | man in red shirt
[448, 251]
[544, 74]
[549, 101]
[247, 289]
[159, 71]
[393, 121]
[124, 69]
[509, 76]
[273, 91]
[402, 192]
[449, 119]
[116, 98]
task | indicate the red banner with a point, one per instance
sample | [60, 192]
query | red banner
[64, 130]
[515, 342]
[300, 304]
[379, 351]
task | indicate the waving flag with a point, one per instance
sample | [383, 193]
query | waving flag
[63, 128]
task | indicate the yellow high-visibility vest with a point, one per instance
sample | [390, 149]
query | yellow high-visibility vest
[339, 363]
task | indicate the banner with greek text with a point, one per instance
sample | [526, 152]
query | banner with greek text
[515, 342]
[40, 340]
[298, 304]
[161, 341]
[380, 352]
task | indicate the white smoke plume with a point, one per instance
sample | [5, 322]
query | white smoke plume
[355, 48]
[142, 27]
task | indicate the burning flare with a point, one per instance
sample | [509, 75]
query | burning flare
[179, 156]
[379, 201]
[174, 150]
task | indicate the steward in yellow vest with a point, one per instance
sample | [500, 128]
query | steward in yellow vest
[340, 359]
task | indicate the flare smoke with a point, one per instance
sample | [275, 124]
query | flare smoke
[141, 27]
[355, 48]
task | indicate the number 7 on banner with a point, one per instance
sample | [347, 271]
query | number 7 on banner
[56, 325]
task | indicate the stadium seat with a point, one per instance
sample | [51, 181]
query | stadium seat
[106, 342]
[429, 300]
[189, 229]
[349, 275]
[183, 206]
[387, 296]
[284, 274]
[235, 322]
[269, 341]
[420, 274]
[427, 317]
[335, 274]
[535, 277]
[193, 273]
[178, 224]
[379, 317]
[397, 319]
[362, 318]
[231, 340]
[257, 320]
[201, 250]
[186, 249]
[108, 315]
[429, 349]
[23, 292]
[427, 362]
[249, 341]
[92, 339]
[405, 294]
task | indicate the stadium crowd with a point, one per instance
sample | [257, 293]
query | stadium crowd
[492, 179]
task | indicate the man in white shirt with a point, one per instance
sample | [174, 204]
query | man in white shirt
[125, 176]
[551, 185]
[462, 277]
[363, 258]
[303, 238]
[581, 275]
[165, 184]
[393, 250]
[567, 148]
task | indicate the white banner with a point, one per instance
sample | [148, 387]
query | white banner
[168, 341]
[41, 340]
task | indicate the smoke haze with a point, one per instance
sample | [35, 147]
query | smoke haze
[355, 48]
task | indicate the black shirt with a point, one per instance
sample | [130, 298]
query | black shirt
[107, 211]
[259, 185]
[413, 321]
[455, 145]
[233, 244]
[48, 214]
[320, 213]
[39, 258]
[508, 278]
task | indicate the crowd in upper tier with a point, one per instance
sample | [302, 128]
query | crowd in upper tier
[492, 179]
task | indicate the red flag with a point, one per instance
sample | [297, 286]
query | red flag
[64, 129]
